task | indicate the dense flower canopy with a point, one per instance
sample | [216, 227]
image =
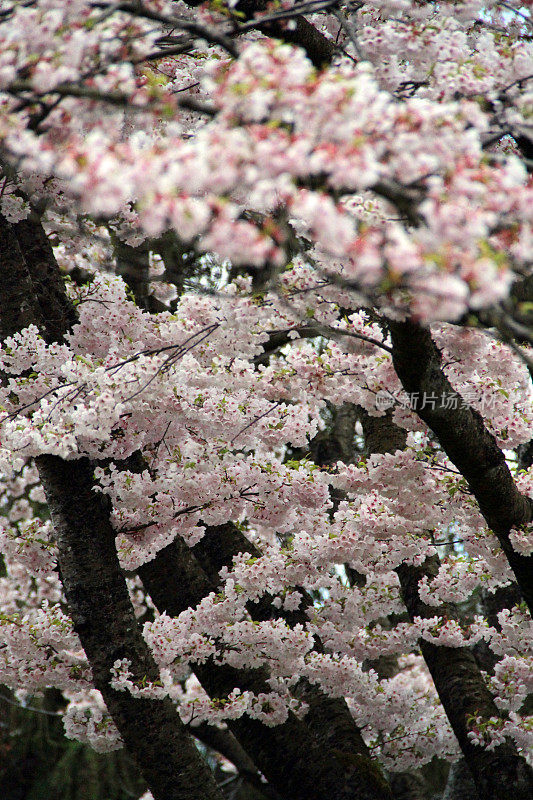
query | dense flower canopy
[294, 349]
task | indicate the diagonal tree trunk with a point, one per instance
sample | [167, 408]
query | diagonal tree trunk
[319, 49]
[328, 718]
[460, 785]
[104, 619]
[307, 770]
[467, 442]
[455, 672]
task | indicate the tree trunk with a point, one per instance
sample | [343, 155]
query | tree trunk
[291, 758]
[104, 620]
[455, 672]
[466, 441]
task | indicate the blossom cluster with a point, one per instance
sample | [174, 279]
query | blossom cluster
[291, 145]
[215, 431]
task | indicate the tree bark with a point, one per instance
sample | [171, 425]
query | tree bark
[104, 620]
[467, 442]
[460, 785]
[455, 672]
[328, 718]
[18, 305]
[464, 695]
[57, 311]
[320, 50]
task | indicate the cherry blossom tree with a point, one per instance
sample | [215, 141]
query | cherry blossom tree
[266, 398]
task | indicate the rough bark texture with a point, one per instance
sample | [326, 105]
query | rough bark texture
[525, 455]
[48, 287]
[31, 292]
[133, 266]
[18, 306]
[103, 617]
[525, 145]
[468, 444]
[455, 671]
[464, 695]
[491, 603]
[381, 434]
[408, 786]
[319, 49]
[223, 741]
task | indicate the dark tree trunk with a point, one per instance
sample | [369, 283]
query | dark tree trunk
[292, 759]
[464, 695]
[460, 785]
[328, 718]
[466, 441]
[103, 618]
[455, 672]
[319, 49]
